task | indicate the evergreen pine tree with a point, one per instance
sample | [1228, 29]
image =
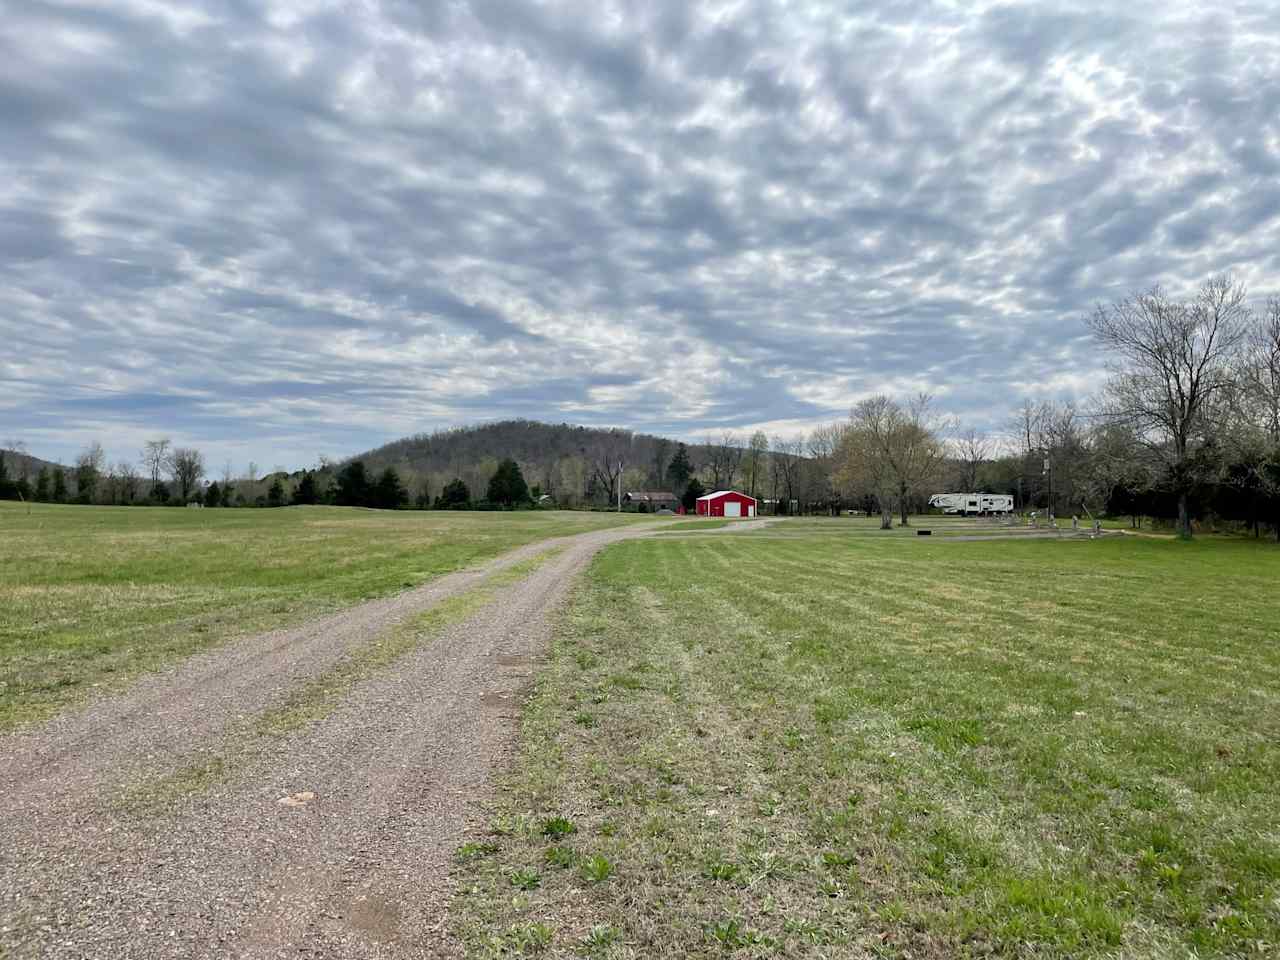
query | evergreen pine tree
[306, 492]
[59, 485]
[455, 496]
[390, 493]
[42, 485]
[275, 495]
[691, 494]
[507, 486]
[681, 469]
[353, 488]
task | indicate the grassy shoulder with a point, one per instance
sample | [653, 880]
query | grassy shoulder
[773, 746]
[89, 595]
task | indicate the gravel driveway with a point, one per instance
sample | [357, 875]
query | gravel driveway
[376, 795]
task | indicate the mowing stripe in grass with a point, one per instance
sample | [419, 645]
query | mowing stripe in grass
[820, 747]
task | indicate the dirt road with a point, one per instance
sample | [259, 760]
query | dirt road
[333, 840]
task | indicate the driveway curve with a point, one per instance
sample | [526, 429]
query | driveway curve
[333, 839]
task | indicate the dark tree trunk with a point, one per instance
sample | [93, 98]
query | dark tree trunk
[902, 504]
[886, 518]
[1184, 516]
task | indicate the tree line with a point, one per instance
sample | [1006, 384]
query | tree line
[1186, 430]
[165, 475]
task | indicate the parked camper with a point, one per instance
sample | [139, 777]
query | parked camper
[972, 503]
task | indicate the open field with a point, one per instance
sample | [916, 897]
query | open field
[93, 594]
[802, 743]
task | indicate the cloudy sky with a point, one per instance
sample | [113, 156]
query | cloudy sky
[281, 228]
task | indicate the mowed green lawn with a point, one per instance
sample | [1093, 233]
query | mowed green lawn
[764, 745]
[92, 594]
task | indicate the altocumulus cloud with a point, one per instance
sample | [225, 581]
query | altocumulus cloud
[282, 227]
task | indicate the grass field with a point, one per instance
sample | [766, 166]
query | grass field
[800, 743]
[94, 594]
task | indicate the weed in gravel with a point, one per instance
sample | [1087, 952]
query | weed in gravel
[600, 938]
[474, 850]
[525, 879]
[723, 871]
[530, 938]
[732, 934]
[560, 856]
[597, 868]
[556, 827]
[584, 719]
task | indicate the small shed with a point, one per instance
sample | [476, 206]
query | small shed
[726, 503]
[652, 499]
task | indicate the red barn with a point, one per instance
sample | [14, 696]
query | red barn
[726, 503]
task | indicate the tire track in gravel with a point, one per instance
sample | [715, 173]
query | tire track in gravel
[359, 870]
[167, 715]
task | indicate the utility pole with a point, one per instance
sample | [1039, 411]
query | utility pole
[1048, 468]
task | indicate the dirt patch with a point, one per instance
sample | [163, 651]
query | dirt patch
[504, 703]
[374, 916]
[522, 661]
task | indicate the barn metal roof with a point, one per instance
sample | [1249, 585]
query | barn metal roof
[721, 493]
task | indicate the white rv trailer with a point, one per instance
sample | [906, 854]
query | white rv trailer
[967, 503]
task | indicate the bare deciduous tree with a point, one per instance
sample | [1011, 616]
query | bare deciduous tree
[1260, 372]
[1175, 360]
[821, 448]
[892, 451]
[722, 459]
[786, 460]
[187, 465]
[757, 453]
[155, 458]
[862, 464]
[89, 467]
[661, 457]
[126, 481]
[972, 450]
[608, 459]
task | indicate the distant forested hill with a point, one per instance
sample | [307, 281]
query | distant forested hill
[23, 465]
[574, 464]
